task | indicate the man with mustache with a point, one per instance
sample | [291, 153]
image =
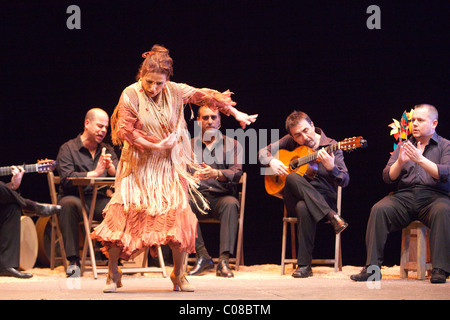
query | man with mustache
[309, 200]
[222, 160]
[83, 156]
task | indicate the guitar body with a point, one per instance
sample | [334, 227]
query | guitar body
[275, 184]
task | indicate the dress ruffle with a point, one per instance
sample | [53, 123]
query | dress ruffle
[135, 230]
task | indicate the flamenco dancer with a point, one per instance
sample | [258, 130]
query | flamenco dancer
[151, 204]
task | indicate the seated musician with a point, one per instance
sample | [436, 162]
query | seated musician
[83, 157]
[310, 199]
[11, 205]
[420, 167]
[222, 169]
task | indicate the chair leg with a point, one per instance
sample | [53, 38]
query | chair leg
[239, 256]
[293, 251]
[54, 222]
[283, 247]
[421, 253]
[337, 254]
[161, 260]
[240, 247]
[53, 244]
[404, 259]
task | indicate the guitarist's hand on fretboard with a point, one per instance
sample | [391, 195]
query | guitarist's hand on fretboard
[16, 179]
[327, 159]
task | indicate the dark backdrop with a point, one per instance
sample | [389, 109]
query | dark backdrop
[276, 56]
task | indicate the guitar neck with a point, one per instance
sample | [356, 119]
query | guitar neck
[313, 156]
[6, 171]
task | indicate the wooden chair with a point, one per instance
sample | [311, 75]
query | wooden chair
[55, 234]
[415, 253]
[240, 240]
[336, 261]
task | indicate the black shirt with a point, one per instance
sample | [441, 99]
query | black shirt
[74, 160]
[225, 154]
[413, 175]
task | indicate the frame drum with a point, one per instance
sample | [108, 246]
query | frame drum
[28, 243]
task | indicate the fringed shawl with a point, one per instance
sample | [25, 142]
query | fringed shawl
[155, 181]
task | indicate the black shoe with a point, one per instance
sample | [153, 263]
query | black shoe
[201, 265]
[438, 276]
[40, 209]
[224, 270]
[46, 210]
[303, 272]
[364, 275]
[338, 224]
[74, 268]
[11, 272]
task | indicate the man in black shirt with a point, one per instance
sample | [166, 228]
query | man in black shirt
[83, 156]
[221, 158]
[311, 200]
[421, 168]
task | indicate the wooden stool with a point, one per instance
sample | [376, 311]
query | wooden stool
[415, 255]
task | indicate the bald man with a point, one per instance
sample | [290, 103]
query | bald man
[420, 166]
[83, 157]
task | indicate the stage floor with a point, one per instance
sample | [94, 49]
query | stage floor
[260, 282]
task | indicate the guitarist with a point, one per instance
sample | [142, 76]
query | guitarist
[310, 200]
[11, 205]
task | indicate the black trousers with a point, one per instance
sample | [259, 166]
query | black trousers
[226, 209]
[11, 204]
[309, 205]
[395, 212]
[70, 217]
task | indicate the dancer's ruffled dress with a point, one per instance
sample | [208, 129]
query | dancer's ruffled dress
[150, 206]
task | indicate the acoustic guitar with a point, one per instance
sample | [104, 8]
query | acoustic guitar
[303, 160]
[44, 165]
